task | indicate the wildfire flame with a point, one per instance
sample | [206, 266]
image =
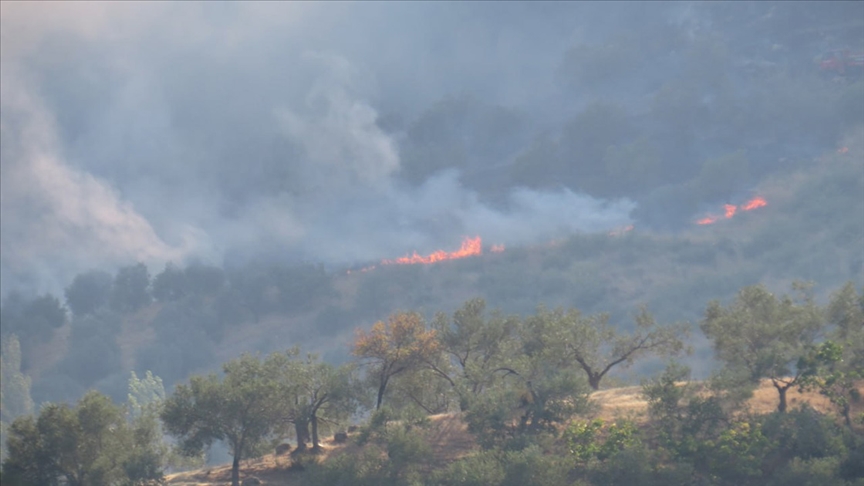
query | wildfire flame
[731, 209]
[470, 247]
[756, 202]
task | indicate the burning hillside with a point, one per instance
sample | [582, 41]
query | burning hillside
[729, 210]
[470, 247]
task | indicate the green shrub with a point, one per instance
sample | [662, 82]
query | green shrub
[366, 469]
[531, 467]
[808, 472]
[597, 439]
[482, 469]
[804, 433]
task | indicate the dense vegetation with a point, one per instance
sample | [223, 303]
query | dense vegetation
[522, 387]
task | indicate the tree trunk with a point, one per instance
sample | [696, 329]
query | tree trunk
[523, 421]
[594, 380]
[846, 415]
[314, 421]
[781, 407]
[235, 470]
[301, 430]
[381, 390]
[463, 404]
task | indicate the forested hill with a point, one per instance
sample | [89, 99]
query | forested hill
[184, 320]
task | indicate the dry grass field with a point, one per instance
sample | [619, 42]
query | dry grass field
[628, 401]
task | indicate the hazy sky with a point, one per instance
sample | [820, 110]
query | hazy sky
[160, 131]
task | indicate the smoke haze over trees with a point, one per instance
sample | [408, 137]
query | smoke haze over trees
[183, 182]
[347, 133]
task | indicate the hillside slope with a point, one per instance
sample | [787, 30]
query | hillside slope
[811, 228]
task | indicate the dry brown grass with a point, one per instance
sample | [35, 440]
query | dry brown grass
[628, 401]
[620, 402]
[765, 400]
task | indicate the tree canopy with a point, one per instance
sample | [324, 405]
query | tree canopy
[239, 408]
[91, 444]
[762, 336]
[131, 290]
[400, 345]
[597, 347]
[88, 292]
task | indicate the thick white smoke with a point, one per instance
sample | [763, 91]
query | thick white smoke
[128, 138]
[57, 219]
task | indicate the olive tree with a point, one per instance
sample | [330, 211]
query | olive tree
[401, 345]
[316, 392]
[760, 335]
[597, 347]
[835, 366]
[239, 408]
[475, 345]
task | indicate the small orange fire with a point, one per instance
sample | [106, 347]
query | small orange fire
[756, 202]
[470, 247]
[730, 210]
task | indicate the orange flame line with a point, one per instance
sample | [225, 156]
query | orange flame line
[497, 248]
[470, 247]
[729, 210]
[756, 202]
